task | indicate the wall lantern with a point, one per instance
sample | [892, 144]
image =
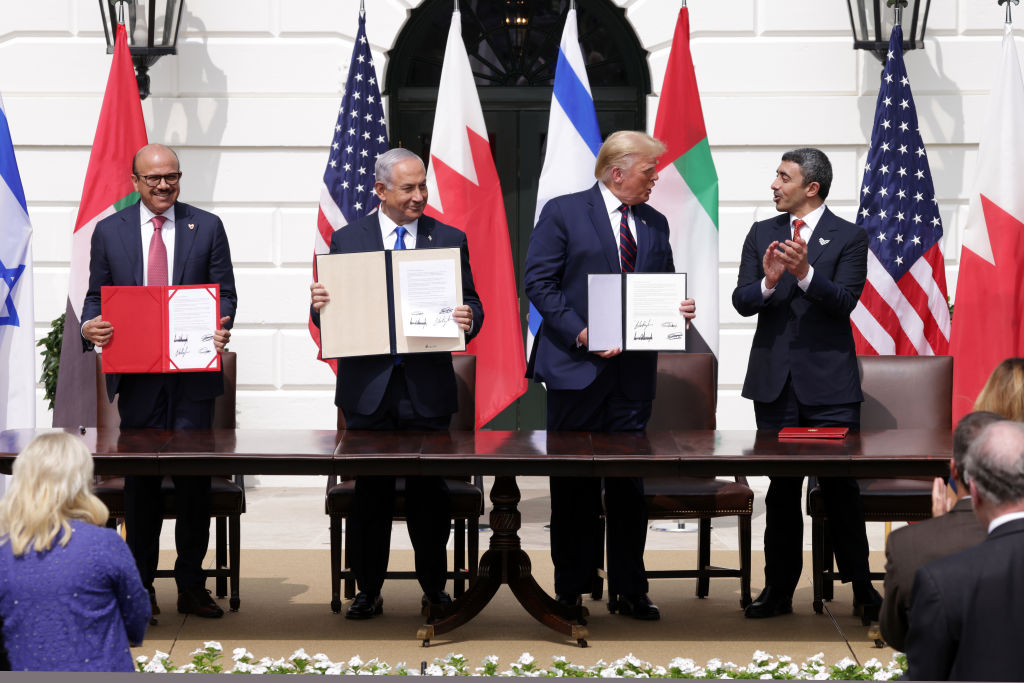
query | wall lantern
[152, 29]
[872, 22]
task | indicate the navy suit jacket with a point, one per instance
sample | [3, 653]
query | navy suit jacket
[429, 376]
[573, 239]
[966, 621]
[201, 256]
[804, 334]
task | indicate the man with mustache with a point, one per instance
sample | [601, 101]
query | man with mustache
[802, 273]
[161, 241]
[413, 391]
[606, 229]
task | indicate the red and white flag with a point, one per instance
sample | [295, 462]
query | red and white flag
[120, 133]
[988, 318]
[463, 190]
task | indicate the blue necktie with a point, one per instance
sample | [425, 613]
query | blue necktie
[627, 245]
[399, 244]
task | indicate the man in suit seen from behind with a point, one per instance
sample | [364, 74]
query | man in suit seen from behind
[966, 621]
[412, 391]
[951, 529]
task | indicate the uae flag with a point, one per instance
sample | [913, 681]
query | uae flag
[463, 191]
[988, 316]
[687, 191]
[120, 133]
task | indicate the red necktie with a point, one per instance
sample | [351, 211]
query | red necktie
[156, 271]
[797, 224]
[627, 245]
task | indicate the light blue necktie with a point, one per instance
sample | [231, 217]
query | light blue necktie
[399, 244]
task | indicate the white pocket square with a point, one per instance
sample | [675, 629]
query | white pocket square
[822, 241]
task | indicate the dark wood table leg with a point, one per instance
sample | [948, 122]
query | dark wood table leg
[505, 562]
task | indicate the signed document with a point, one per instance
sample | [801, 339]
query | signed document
[371, 314]
[653, 320]
[191, 322]
[427, 285]
[161, 329]
[636, 311]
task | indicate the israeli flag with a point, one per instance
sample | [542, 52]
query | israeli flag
[573, 136]
[17, 322]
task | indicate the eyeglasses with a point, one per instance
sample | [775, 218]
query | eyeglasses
[154, 180]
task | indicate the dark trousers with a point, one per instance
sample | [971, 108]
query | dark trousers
[427, 502]
[783, 535]
[576, 501]
[144, 513]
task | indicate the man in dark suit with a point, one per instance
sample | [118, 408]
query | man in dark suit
[950, 530]
[803, 367]
[161, 241]
[966, 621]
[606, 229]
[413, 391]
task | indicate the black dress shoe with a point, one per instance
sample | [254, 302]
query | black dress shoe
[573, 607]
[770, 603]
[636, 606]
[365, 606]
[154, 609]
[866, 603]
[198, 601]
[435, 598]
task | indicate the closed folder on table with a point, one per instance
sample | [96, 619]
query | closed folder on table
[161, 329]
[814, 432]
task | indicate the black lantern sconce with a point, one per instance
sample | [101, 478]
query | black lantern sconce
[152, 29]
[872, 22]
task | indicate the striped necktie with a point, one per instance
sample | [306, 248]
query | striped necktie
[627, 245]
[156, 267]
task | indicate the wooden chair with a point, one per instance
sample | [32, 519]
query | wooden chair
[686, 399]
[227, 501]
[467, 500]
[900, 392]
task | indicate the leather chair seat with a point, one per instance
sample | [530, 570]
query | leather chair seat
[687, 497]
[907, 499]
[467, 500]
[226, 497]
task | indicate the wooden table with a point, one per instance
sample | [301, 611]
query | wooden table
[505, 455]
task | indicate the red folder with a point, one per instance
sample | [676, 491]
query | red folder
[141, 336]
[814, 432]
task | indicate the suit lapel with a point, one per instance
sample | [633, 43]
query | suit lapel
[424, 232]
[131, 240]
[185, 230]
[602, 226]
[823, 235]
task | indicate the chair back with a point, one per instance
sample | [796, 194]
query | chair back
[906, 392]
[465, 383]
[686, 392]
[223, 406]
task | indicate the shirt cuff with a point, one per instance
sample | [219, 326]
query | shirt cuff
[766, 291]
[806, 282]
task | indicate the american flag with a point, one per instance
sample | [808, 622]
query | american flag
[360, 136]
[903, 308]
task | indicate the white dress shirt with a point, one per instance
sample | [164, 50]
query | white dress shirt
[167, 231]
[810, 223]
[389, 231]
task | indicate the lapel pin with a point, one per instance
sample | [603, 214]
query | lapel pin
[822, 241]
[191, 226]
[430, 238]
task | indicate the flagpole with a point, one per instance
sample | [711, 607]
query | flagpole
[362, 7]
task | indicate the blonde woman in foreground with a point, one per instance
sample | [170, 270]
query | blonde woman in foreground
[70, 595]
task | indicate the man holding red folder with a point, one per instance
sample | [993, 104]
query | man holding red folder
[802, 273]
[160, 241]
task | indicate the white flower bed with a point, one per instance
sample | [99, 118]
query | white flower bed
[764, 666]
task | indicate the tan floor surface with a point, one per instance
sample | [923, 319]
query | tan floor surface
[285, 599]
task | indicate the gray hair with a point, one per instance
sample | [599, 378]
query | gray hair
[995, 462]
[966, 432]
[386, 162]
[815, 167]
